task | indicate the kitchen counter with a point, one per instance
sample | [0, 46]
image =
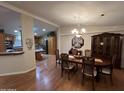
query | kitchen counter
[40, 50]
[11, 53]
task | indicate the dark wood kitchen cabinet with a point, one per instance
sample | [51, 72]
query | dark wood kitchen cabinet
[107, 45]
[2, 45]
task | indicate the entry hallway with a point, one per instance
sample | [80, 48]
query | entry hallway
[48, 77]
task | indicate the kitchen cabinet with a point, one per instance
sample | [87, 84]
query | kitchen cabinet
[2, 45]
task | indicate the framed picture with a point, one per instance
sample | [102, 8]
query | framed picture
[77, 42]
[29, 43]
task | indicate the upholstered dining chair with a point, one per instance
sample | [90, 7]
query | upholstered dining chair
[108, 70]
[88, 53]
[74, 52]
[66, 65]
[88, 69]
[57, 57]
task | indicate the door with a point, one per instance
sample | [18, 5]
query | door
[51, 45]
[122, 55]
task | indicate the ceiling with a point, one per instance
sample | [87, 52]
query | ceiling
[39, 26]
[10, 21]
[88, 12]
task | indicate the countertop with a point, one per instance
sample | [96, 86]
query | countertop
[11, 53]
[40, 50]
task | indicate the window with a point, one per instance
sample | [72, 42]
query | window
[18, 39]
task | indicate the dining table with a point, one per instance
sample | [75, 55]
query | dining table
[99, 63]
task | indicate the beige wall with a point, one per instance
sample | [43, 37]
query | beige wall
[11, 64]
[27, 32]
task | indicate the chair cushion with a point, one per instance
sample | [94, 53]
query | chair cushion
[74, 52]
[88, 74]
[71, 66]
[106, 71]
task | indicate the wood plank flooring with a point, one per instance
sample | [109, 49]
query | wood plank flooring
[48, 77]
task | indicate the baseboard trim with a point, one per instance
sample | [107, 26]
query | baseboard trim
[21, 72]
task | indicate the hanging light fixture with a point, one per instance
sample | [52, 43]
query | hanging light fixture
[78, 30]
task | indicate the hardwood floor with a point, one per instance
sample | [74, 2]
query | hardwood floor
[48, 77]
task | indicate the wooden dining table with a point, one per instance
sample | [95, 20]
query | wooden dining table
[99, 63]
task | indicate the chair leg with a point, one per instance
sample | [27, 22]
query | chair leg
[68, 74]
[82, 79]
[62, 73]
[76, 66]
[93, 84]
[59, 62]
[104, 79]
[111, 79]
[56, 63]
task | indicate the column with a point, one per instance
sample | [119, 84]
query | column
[28, 42]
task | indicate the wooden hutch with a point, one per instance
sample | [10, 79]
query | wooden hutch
[106, 45]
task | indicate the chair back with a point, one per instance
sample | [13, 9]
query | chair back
[64, 60]
[74, 52]
[57, 54]
[88, 66]
[88, 53]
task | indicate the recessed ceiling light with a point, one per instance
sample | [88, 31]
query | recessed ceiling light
[15, 31]
[44, 29]
[35, 34]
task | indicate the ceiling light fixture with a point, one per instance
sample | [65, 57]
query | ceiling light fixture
[35, 33]
[78, 30]
[43, 29]
[15, 31]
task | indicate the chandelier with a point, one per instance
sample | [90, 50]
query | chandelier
[78, 30]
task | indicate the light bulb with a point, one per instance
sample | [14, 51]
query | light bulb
[83, 30]
[78, 35]
[74, 31]
[15, 31]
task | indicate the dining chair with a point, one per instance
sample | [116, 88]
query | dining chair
[74, 52]
[88, 53]
[108, 70]
[88, 69]
[57, 57]
[66, 65]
